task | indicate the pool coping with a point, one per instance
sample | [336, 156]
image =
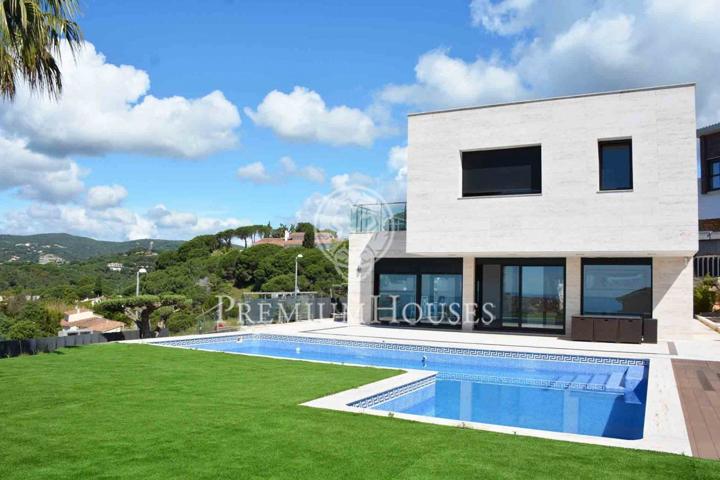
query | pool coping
[664, 429]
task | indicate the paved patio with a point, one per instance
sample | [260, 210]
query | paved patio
[699, 387]
[696, 342]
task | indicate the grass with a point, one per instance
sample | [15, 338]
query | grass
[121, 411]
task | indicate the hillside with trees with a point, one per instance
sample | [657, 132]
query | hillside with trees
[179, 284]
[28, 248]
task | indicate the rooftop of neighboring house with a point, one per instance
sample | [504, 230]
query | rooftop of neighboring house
[94, 324]
[295, 239]
[78, 313]
[76, 310]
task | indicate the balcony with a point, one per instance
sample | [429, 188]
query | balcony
[378, 217]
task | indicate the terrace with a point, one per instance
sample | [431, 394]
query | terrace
[378, 217]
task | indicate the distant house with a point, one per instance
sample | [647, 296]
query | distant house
[78, 313]
[115, 266]
[50, 258]
[82, 320]
[295, 239]
[90, 325]
[325, 238]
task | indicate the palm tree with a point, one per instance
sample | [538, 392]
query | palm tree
[31, 32]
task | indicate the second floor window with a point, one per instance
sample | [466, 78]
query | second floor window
[616, 165]
[714, 177]
[507, 171]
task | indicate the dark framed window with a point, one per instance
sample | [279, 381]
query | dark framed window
[617, 286]
[507, 171]
[420, 292]
[710, 161]
[714, 174]
[616, 165]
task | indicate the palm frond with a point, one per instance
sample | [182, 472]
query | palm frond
[32, 33]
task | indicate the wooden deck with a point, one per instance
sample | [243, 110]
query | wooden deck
[699, 386]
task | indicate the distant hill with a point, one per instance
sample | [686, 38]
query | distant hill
[29, 248]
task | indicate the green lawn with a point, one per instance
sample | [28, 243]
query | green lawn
[109, 411]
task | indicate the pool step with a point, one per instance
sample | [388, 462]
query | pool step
[615, 382]
[580, 382]
[563, 381]
[597, 382]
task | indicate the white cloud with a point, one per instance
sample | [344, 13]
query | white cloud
[257, 173]
[40, 218]
[312, 173]
[171, 221]
[504, 18]
[302, 115]
[397, 162]
[578, 47]
[444, 81]
[254, 172]
[106, 108]
[332, 209]
[105, 196]
[288, 166]
[35, 175]
[113, 223]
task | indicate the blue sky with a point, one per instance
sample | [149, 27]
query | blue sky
[345, 50]
[110, 163]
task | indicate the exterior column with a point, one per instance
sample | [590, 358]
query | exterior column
[672, 294]
[573, 293]
[360, 280]
[468, 293]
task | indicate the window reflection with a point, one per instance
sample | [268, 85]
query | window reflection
[617, 289]
[542, 296]
[441, 298]
[396, 294]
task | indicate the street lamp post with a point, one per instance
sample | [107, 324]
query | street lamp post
[299, 255]
[137, 280]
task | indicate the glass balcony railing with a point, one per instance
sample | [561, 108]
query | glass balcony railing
[378, 217]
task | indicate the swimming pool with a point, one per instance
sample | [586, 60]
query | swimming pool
[599, 396]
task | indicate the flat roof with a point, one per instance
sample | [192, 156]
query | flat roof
[709, 130]
[581, 95]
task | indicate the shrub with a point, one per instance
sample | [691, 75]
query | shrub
[23, 329]
[703, 298]
[46, 322]
[180, 322]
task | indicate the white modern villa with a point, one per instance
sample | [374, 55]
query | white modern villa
[536, 212]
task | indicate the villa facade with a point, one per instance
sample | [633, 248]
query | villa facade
[521, 215]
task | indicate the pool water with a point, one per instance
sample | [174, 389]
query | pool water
[600, 414]
[561, 393]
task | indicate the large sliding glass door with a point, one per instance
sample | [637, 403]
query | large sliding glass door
[419, 292]
[515, 294]
[543, 297]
